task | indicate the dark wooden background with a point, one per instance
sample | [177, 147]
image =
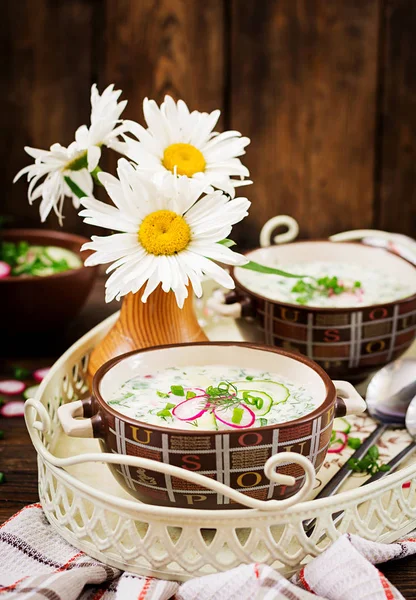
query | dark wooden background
[326, 90]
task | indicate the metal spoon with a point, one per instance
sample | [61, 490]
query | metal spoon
[388, 396]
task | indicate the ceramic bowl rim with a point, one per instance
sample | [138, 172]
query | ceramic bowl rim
[316, 309]
[330, 397]
[51, 234]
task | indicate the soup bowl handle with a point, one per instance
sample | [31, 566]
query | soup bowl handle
[349, 401]
[281, 238]
[92, 426]
[233, 304]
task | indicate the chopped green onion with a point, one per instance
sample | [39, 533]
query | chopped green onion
[373, 452]
[262, 422]
[20, 372]
[177, 390]
[237, 415]
[164, 413]
[249, 378]
[259, 402]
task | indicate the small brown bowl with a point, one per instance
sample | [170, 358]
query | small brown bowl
[38, 304]
[349, 342]
[233, 457]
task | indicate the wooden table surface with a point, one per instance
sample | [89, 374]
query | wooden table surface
[18, 457]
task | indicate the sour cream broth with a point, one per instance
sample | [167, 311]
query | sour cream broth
[366, 285]
[212, 397]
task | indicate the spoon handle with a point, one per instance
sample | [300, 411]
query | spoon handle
[335, 483]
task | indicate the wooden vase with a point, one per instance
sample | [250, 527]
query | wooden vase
[157, 322]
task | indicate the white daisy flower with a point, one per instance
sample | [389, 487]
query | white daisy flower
[167, 238]
[178, 142]
[75, 162]
[50, 169]
[105, 126]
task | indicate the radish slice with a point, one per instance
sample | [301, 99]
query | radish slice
[40, 374]
[340, 443]
[11, 387]
[189, 410]
[15, 408]
[5, 269]
[225, 416]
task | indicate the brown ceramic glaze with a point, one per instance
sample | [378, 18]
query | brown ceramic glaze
[37, 304]
[349, 343]
[236, 458]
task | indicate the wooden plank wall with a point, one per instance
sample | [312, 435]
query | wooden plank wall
[325, 89]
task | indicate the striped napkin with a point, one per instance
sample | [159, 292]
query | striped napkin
[37, 564]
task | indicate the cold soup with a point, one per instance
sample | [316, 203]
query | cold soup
[212, 397]
[330, 284]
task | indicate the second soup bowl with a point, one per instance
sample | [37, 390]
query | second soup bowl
[234, 457]
[349, 342]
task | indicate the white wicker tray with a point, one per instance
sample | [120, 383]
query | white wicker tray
[91, 511]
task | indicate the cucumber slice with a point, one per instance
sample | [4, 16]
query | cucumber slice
[207, 421]
[270, 391]
[341, 424]
[30, 392]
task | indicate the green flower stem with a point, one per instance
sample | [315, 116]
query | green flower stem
[253, 266]
[95, 172]
[75, 189]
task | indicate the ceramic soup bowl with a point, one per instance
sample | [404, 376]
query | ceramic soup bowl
[234, 457]
[348, 342]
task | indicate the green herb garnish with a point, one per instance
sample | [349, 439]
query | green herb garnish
[256, 401]
[1, 434]
[249, 378]
[237, 416]
[164, 413]
[177, 390]
[369, 463]
[2, 478]
[20, 372]
[28, 260]
[324, 286]
[354, 443]
[190, 394]
[263, 422]
[162, 395]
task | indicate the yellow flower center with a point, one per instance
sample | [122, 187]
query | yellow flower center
[187, 159]
[164, 232]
